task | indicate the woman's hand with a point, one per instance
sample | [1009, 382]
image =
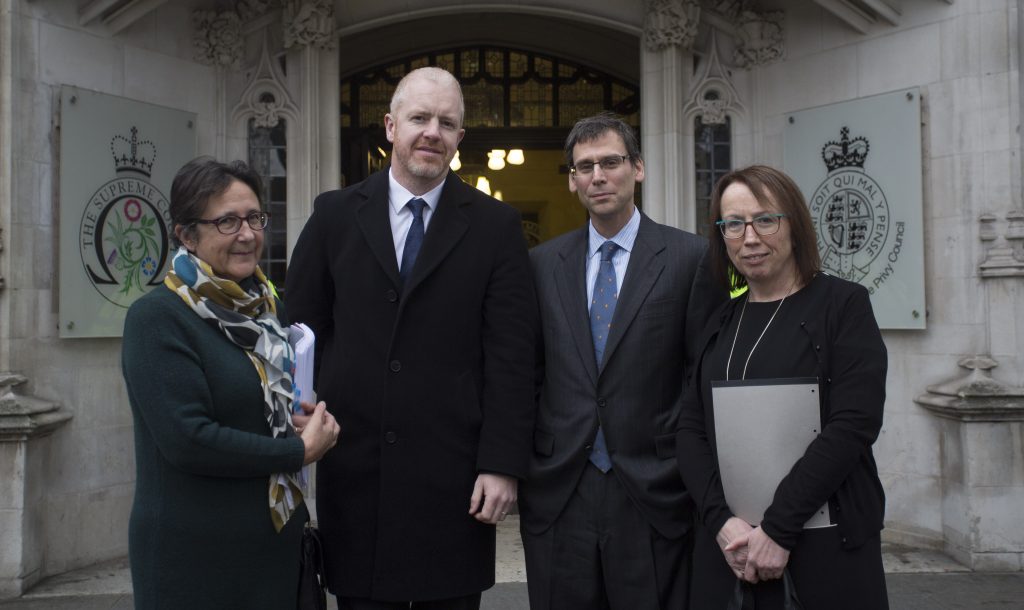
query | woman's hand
[734, 529]
[765, 559]
[318, 430]
[299, 420]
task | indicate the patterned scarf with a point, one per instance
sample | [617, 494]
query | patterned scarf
[249, 320]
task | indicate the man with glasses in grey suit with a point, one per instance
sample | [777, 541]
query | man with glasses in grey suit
[605, 518]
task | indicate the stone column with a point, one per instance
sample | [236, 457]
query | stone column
[982, 423]
[25, 422]
[666, 65]
[313, 144]
[7, 89]
[982, 419]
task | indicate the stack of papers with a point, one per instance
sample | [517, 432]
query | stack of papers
[302, 340]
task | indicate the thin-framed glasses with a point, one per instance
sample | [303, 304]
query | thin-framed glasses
[608, 164]
[230, 224]
[765, 224]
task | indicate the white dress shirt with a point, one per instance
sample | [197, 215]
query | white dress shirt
[401, 215]
[625, 239]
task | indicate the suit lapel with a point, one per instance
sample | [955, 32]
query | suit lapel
[375, 223]
[571, 280]
[645, 265]
[447, 225]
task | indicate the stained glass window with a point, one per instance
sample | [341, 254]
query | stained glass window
[502, 88]
[268, 157]
[712, 160]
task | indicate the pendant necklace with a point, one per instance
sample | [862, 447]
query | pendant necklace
[728, 363]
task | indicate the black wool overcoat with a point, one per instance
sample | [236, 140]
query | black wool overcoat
[431, 384]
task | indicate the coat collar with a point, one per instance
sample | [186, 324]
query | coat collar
[447, 225]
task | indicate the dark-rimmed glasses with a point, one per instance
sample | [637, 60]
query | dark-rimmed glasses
[230, 224]
[765, 224]
[608, 164]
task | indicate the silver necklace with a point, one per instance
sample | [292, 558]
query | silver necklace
[728, 363]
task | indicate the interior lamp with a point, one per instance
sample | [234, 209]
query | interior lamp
[483, 184]
[497, 195]
[496, 159]
[456, 164]
[516, 156]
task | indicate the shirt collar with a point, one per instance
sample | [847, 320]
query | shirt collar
[625, 238]
[398, 195]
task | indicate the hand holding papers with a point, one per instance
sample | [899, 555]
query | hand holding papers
[762, 427]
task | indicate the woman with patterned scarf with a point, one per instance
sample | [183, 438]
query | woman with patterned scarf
[218, 517]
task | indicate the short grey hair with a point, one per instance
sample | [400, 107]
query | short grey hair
[436, 75]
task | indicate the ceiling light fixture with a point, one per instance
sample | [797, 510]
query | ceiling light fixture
[483, 184]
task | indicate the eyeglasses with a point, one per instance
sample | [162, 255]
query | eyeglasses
[230, 224]
[608, 164]
[766, 224]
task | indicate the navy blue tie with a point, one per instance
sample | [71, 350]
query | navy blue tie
[413, 240]
[602, 308]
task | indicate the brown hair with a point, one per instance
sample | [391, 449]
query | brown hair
[200, 180]
[773, 188]
[591, 128]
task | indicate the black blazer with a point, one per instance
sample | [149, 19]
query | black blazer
[430, 385]
[663, 306]
[838, 465]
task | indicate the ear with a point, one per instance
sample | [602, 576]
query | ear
[572, 183]
[389, 127]
[185, 237]
[638, 171]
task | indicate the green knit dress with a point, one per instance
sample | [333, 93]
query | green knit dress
[200, 535]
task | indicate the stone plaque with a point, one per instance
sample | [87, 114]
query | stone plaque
[117, 160]
[858, 164]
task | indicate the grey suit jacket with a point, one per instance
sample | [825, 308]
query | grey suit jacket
[664, 303]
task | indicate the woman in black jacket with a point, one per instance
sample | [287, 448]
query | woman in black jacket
[793, 321]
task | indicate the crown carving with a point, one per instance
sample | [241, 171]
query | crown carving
[133, 155]
[845, 152]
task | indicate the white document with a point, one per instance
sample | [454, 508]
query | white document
[762, 427]
[302, 340]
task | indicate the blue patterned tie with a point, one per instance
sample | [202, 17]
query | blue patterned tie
[413, 240]
[602, 308]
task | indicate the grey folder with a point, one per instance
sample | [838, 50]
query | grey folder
[762, 427]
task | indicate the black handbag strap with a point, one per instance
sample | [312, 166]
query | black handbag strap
[743, 595]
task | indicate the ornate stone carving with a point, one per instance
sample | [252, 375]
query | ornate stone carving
[218, 38]
[759, 38]
[975, 396]
[1004, 255]
[251, 9]
[265, 98]
[24, 417]
[712, 96]
[671, 23]
[309, 22]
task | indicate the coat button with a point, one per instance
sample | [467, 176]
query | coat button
[390, 437]
[395, 366]
[601, 402]
[391, 296]
[817, 347]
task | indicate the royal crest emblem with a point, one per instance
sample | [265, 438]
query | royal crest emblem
[124, 233]
[850, 211]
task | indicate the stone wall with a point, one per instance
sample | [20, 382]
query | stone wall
[84, 479]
